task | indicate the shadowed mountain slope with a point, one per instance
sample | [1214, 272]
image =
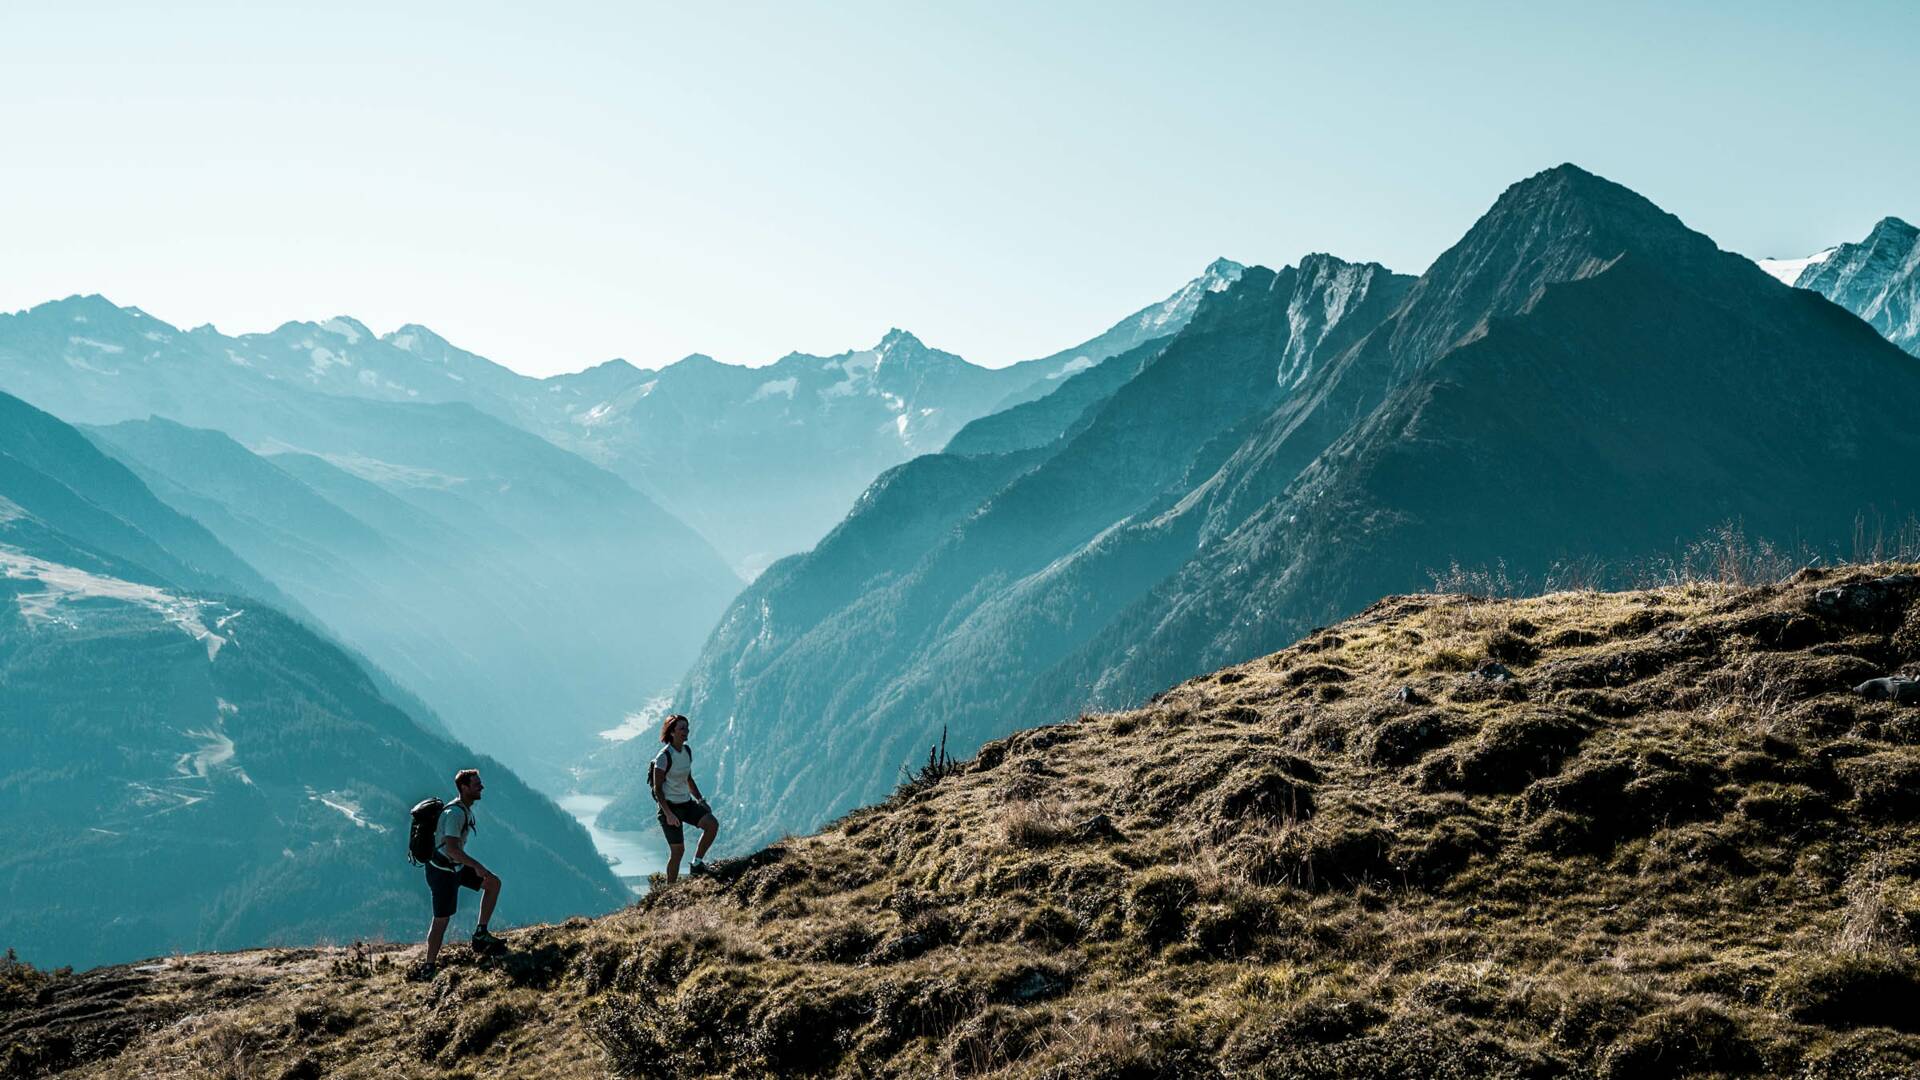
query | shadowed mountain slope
[1663, 387]
[1585, 835]
[1581, 376]
[942, 630]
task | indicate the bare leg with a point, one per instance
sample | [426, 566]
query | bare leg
[489, 895]
[674, 851]
[436, 933]
[709, 828]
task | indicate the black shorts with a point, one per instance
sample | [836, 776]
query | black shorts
[445, 885]
[689, 813]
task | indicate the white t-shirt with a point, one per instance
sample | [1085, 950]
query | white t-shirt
[455, 820]
[677, 770]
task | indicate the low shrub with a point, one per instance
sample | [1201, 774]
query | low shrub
[479, 1024]
[990, 1040]
[1690, 1037]
[1863, 990]
[1270, 788]
[1516, 747]
[1886, 785]
[1156, 906]
[1033, 824]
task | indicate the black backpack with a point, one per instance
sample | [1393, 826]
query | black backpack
[425, 830]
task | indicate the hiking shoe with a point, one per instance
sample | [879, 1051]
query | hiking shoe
[699, 869]
[486, 942]
[420, 972]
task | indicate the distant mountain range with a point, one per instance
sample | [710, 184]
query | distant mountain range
[414, 497]
[761, 460]
[187, 767]
[530, 597]
[1581, 377]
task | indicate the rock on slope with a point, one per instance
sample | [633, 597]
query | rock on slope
[1649, 834]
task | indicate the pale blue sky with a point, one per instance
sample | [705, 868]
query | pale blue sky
[645, 181]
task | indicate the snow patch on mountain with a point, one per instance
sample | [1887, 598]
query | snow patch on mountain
[347, 805]
[346, 328]
[776, 388]
[596, 415]
[1072, 367]
[66, 585]
[1174, 312]
[214, 754]
[324, 358]
[1788, 271]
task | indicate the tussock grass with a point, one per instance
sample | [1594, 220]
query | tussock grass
[1573, 834]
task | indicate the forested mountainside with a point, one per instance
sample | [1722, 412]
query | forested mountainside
[1631, 836]
[1877, 279]
[506, 523]
[1581, 379]
[191, 769]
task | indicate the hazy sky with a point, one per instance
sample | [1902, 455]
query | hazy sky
[637, 180]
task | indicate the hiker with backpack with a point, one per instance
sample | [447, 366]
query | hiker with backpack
[671, 777]
[439, 840]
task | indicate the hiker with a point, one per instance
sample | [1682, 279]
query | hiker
[671, 776]
[452, 868]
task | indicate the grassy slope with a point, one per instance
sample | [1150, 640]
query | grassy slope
[1673, 843]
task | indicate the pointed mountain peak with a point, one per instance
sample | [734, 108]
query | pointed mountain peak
[1893, 230]
[1561, 225]
[1220, 273]
[1566, 223]
[897, 339]
[1574, 196]
[415, 338]
[348, 327]
[86, 306]
[619, 366]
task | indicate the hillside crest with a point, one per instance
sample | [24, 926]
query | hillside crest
[1654, 833]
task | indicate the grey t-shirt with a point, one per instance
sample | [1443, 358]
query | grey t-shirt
[676, 770]
[455, 820]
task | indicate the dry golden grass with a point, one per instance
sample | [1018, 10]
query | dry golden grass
[1661, 838]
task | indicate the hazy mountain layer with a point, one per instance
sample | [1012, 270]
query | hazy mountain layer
[763, 461]
[532, 597]
[186, 770]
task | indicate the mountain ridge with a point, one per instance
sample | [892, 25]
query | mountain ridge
[1132, 554]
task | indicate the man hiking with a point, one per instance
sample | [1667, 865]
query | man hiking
[671, 777]
[452, 868]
